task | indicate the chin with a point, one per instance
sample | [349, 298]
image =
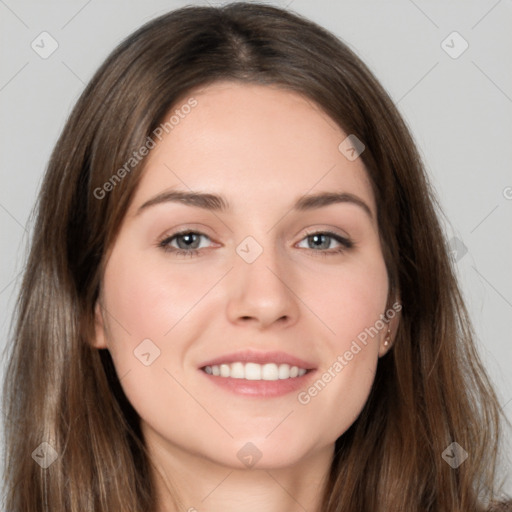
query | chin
[261, 453]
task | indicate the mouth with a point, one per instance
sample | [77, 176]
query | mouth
[261, 374]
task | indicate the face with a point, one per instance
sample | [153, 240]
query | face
[205, 327]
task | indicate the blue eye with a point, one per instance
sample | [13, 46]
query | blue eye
[318, 238]
[190, 241]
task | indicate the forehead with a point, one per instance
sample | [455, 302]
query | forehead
[253, 144]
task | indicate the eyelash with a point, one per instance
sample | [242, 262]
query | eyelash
[164, 244]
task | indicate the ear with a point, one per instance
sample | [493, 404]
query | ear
[100, 339]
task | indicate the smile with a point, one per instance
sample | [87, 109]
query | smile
[255, 371]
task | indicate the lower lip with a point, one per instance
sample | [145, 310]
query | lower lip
[260, 388]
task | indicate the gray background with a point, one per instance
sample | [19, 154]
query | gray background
[458, 109]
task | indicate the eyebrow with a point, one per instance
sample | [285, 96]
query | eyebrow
[219, 203]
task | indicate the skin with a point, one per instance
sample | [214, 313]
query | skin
[261, 147]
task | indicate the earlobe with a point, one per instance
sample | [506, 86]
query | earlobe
[389, 335]
[387, 339]
[386, 343]
[99, 340]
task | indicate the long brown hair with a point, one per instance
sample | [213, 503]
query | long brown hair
[430, 390]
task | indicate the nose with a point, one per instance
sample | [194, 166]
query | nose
[263, 292]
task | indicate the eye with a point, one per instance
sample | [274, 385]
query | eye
[323, 239]
[187, 242]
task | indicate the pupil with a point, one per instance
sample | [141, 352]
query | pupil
[317, 238]
[188, 239]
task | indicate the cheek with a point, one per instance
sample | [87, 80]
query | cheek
[156, 311]
[350, 305]
[339, 393]
[147, 299]
[150, 318]
[349, 301]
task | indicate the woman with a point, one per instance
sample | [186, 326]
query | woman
[305, 346]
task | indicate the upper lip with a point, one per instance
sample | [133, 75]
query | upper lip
[254, 356]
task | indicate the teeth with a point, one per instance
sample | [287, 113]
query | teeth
[225, 370]
[255, 371]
